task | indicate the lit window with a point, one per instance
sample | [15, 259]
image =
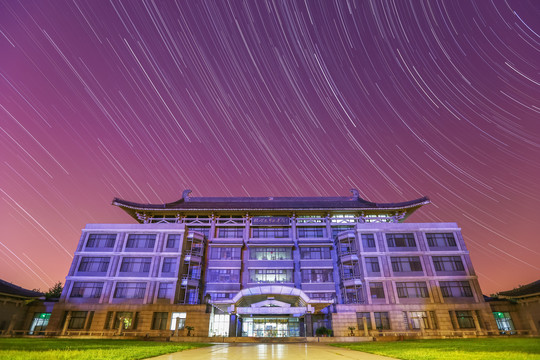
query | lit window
[178, 320]
[268, 276]
[270, 253]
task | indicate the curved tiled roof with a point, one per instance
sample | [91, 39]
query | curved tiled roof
[522, 291]
[270, 203]
[11, 289]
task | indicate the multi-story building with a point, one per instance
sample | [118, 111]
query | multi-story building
[272, 266]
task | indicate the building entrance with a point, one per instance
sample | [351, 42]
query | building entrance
[270, 326]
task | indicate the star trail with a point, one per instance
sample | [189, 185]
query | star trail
[142, 99]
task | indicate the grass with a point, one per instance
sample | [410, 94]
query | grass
[462, 349]
[58, 349]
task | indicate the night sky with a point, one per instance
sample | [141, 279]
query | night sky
[143, 99]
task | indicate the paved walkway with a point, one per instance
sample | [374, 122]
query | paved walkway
[300, 351]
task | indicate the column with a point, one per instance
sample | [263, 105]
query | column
[309, 324]
[66, 323]
[476, 322]
[176, 326]
[232, 325]
[121, 325]
[364, 324]
[12, 322]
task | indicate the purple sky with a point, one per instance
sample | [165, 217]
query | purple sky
[142, 99]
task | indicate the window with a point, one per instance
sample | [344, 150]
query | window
[105, 241]
[270, 276]
[448, 263]
[400, 240]
[377, 290]
[77, 320]
[94, 264]
[418, 319]
[339, 229]
[169, 265]
[201, 229]
[225, 253]
[125, 290]
[39, 322]
[83, 289]
[192, 296]
[360, 316]
[465, 319]
[165, 290]
[433, 318]
[347, 246]
[455, 289]
[382, 322]
[230, 232]
[353, 295]
[141, 241]
[221, 296]
[406, 264]
[412, 290]
[273, 232]
[223, 276]
[317, 275]
[322, 295]
[315, 253]
[310, 232]
[140, 265]
[368, 240]
[441, 240]
[350, 271]
[270, 253]
[372, 265]
[504, 321]
[159, 321]
[178, 320]
[173, 241]
[126, 319]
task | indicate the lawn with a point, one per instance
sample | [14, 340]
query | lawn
[57, 349]
[462, 349]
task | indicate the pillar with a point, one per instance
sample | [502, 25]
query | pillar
[309, 324]
[232, 325]
[121, 325]
[177, 325]
[66, 323]
[12, 323]
[364, 324]
[475, 320]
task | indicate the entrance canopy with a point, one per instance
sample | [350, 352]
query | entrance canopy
[271, 299]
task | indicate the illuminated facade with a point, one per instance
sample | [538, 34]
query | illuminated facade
[278, 267]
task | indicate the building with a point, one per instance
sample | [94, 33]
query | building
[23, 311]
[517, 311]
[273, 266]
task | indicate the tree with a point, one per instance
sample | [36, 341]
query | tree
[55, 291]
